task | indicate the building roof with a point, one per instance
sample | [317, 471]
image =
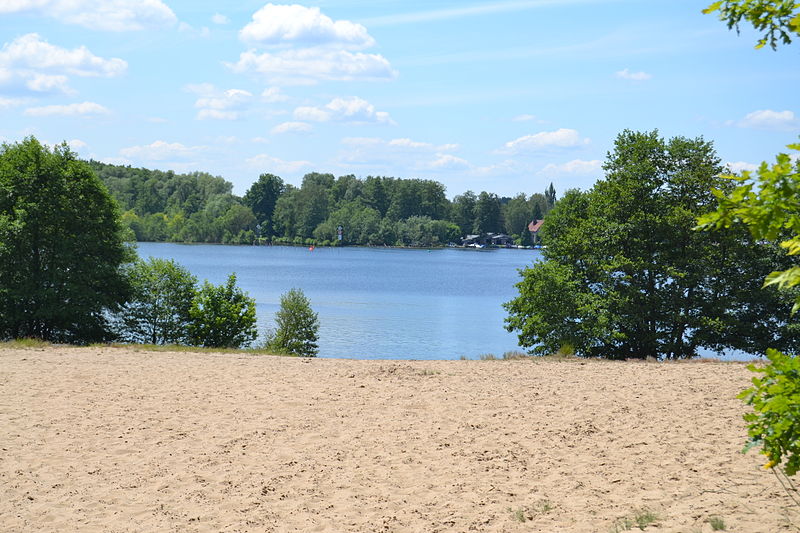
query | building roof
[535, 225]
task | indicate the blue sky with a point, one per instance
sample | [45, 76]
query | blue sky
[500, 96]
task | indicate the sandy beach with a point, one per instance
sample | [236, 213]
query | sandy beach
[118, 440]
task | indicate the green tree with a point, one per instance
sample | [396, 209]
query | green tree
[61, 247]
[779, 20]
[517, 215]
[223, 316]
[550, 196]
[488, 218]
[625, 276]
[463, 211]
[766, 202]
[159, 310]
[261, 197]
[297, 326]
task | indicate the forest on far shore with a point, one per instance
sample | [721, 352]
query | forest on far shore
[198, 207]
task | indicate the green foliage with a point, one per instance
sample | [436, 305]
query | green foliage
[158, 311]
[297, 326]
[625, 276]
[775, 398]
[222, 316]
[61, 247]
[778, 20]
[261, 198]
[767, 204]
[767, 201]
[198, 207]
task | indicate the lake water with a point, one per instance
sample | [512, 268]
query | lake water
[375, 303]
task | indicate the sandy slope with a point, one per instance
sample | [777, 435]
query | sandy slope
[118, 440]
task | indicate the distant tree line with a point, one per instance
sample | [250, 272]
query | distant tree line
[199, 207]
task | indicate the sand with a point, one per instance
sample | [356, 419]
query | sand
[115, 440]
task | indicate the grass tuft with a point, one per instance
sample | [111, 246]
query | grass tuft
[24, 343]
[717, 523]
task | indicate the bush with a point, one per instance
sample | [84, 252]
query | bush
[297, 326]
[222, 316]
[158, 312]
[775, 398]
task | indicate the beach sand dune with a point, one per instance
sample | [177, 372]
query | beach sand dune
[118, 440]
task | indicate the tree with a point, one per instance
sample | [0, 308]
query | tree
[61, 247]
[625, 276]
[488, 218]
[779, 20]
[159, 309]
[261, 197]
[297, 326]
[222, 316]
[767, 204]
[463, 211]
[550, 195]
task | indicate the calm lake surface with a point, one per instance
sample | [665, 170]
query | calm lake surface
[375, 303]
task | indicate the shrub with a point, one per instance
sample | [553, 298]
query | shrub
[158, 312]
[297, 326]
[775, 398]
[222, 316]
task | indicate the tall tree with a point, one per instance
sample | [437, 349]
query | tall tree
[488, 218]
[625, 276]
[550, 196]
[261, 197]
[61, 247]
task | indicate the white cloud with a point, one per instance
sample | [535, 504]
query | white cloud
[114, 160]
[740, 166]
[188, 28]
[109, 15]
[293, 44]
[626, 74]
[31, 52]
[273, 95]
[362, 141]
[69, 110]
[48, 83]
[420, 146]
[353, 110]
[7, 103]
[524, 118]
[770, 120]
[305, 26]
[560, 138]
[217, 114]
[449, 162]
[157, 120]
[161, 151]
[77, 144]
[308, 66]
[260, 140]
[373, 152]
[40, 67]
[269, 163]
[218, 18]
[575, 167]
[292, 127]
[220, 104]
